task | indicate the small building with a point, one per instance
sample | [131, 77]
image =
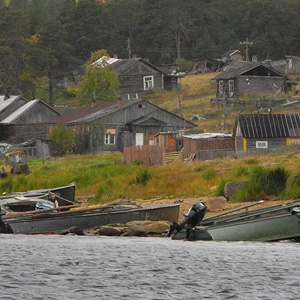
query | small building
[231, 55]
[244, 77]
[262, 133]
[27, 121]
[208, 146]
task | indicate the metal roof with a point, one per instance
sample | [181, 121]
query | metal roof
[17, 113]
[7, 102]
[207, 135]
[269, 125]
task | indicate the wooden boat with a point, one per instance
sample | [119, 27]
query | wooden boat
[274, 223]
[49, 221]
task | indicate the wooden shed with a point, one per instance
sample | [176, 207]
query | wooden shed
[262, 133]
[208, 145]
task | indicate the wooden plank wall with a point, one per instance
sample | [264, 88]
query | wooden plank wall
[148, 154]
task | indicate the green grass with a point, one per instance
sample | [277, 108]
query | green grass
[104, 177]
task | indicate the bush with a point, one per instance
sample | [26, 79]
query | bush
[263, 182]
[143, 176]
[62, 140]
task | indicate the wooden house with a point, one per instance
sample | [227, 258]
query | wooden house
[244, 77]
[27, 122]
[262, 133]
[137, 76]
[124, 124]
[208, 146]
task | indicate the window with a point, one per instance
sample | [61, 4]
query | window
[231, 88]
[142, 105]
[262, 144]
[148, 82]
[109, 139]
[221, 89]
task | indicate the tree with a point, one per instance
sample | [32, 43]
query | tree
[56, 58]
[100, 81]
[13, 49]
[62, 140]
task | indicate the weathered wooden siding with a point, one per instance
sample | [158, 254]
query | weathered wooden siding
[214, 154]
[191, 146]
[39, 113]
[260, 84]
[19, 133]
[132, 82]
[150, 155]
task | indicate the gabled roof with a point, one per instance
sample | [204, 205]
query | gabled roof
[122, 65]
[241, 67]
[23, 109]
[230, 53]
[269, 125]
[114, 108]
[147, 120]
[5, 103]
[86, 111]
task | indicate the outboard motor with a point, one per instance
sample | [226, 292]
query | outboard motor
[193, 217]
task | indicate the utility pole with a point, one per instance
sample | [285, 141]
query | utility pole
[224, 113]
[247, 44]
[128, 46]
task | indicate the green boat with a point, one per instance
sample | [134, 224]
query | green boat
[274, 223]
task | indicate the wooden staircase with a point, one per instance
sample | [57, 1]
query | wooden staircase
[171, 157]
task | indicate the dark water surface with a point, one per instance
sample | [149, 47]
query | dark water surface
[84, 267]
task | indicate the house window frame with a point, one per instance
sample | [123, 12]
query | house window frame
[261, 145]
[148, 82]
[231, 87]
[109, 139]
[221, 87]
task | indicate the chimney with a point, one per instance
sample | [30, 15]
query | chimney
[6, 96]
[93, 103]
[133, 55]
[116, 55]
[120, 102]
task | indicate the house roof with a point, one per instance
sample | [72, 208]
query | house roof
[122, 65]
[5, 103]
[269, 125]
[22, 110]
[86, 111]
[114, 108]
[241, 67]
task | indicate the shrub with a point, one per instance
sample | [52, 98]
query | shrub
[143, 176]
[263, 181]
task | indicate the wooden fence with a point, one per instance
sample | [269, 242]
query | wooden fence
[148, 154]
